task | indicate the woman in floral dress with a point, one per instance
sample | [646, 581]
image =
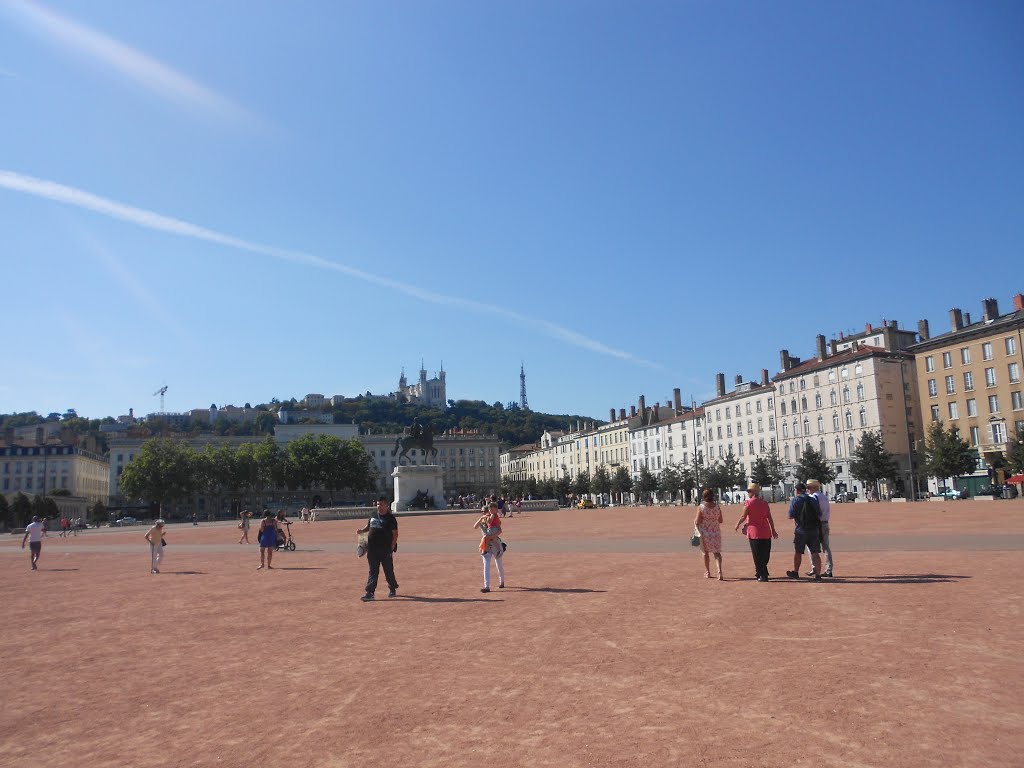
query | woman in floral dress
[709, 522]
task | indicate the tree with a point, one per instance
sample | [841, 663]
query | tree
[871, 462]
[602, 482]
[773, 464]
[161, 472]
[581, 485]
[97, 512]
[21, 510]
[759, 472]
[5, 512]
[646, 483]
[45, 507]
[669, 481]
[563, 485]
[621, 482]
[732, 474]
[946, 454]
[1015, 456]
[813, 465]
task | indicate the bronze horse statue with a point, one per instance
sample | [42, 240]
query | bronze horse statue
[424, 441]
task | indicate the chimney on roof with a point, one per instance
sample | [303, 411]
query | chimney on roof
[892, 324]
[785, 359]
[719, 384]
[1018, 302]
[922, 329]
[867, 328]
[657, 408]
[643, 407]
[991, 308]
[677, 399]
[967, 319]
[956, 319]
[632, 411]
[822, 353]
[622, 414]
[764, 377]
[611, 415]
[739, 380]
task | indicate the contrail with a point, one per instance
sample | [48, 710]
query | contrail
[128, 62]
[61, 193]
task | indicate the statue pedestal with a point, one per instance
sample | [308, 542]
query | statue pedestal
[411, 480]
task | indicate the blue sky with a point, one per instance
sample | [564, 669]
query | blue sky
[248, 200]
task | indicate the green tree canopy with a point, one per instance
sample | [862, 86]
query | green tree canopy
[946, 454]
[1015, 456]
[814, 465]
[602, 482]
[21, 510]
[870, 462]
[581, 484]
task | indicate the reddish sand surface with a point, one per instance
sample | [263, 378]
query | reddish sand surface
[607, 648]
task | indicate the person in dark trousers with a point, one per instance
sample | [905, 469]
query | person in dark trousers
[381, 545]
[803, 510]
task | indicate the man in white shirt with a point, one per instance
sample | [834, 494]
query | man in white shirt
[814, 488]
[34, 533]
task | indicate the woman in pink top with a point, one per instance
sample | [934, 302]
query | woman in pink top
[709, 522]
[760, 529]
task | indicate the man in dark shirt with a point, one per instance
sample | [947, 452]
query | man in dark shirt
[381, 544]
[804, 511]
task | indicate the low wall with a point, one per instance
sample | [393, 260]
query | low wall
[357, 513]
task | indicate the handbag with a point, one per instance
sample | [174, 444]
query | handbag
[695, 538]
[163, 542]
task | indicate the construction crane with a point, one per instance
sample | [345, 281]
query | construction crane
[162, 391]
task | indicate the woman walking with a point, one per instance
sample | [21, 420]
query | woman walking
[267, 539]
[759, 528]
[491, 547]
[709, 522]
[244, 525]
[155, 537]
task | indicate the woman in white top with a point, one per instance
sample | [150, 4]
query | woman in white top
[155, 537]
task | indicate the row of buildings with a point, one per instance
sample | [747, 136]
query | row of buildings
[883, 379]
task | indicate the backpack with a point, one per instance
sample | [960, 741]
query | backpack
[808, 516]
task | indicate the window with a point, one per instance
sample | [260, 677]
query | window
[851, 446]
[760, 424]
[933, 388]
[782, 405]
[965, 355]
[972, 407]
[750, 444]
[832, 376]
[947, 360]
[1014, 371]
[935, 413]
[954, 411]
[758, 405]
[739, 429]
[968, 381]
[771, 422]
[846, 394]
[807, 426]
[785, 429]
[974, 436]
[785, 451]
[832, 398]
[849, 420]
[803, 403]
[792, 406]
[950, 385]
[1011, 345]
[929, 364]
[835, 421]
[839, 447]
[986, 350]
[845, 372]
[858, 369]
[993, 403]
[998, 433]
[863, 417]
[990, 377]
[728, 412]
[1016, 401]
[860, 391]
[817, 401]
[803, 384]
[796, 428]
[792, 386]
[821, 424]
[817, 381]
[748, 409]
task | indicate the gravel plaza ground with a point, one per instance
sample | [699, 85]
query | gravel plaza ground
[607, 648]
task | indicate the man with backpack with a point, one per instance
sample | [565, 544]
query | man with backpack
[804, 511]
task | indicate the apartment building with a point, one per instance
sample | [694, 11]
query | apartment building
[830, 401]
[469, 460]
[61, 462]
[970, 378]
[741, 421]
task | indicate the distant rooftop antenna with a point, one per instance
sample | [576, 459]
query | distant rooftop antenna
[522, 388]
[162, 391]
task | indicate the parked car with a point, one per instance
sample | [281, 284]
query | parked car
[585, 504]
[125, 521]
[995, 491]
[951, 493]
[844, 496]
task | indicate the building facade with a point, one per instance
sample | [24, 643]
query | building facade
[432, 392]
[58, 463]
[469, 460]
[970, 379]
[741, 422]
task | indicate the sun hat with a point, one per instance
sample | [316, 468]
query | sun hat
[754, 487]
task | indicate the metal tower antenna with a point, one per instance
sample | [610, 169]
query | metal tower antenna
[522, 388]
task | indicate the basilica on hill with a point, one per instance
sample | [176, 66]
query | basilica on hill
[426, 391]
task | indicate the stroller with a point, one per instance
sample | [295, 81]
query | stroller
[286, 541]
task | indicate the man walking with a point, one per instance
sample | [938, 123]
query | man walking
[34, 533]
[381, 544]
[814, 487]
[803, 510]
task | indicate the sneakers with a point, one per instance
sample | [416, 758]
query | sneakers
[827, 574]
[501, 585]
[817, 577]
[810, 573]
[793, 574]
[367, 597]
[761, 578]
[485, 589]
[392, 593]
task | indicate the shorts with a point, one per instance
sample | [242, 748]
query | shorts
[811, 540]
[35, 547]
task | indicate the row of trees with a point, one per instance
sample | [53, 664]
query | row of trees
[21, 509]
[167, 471]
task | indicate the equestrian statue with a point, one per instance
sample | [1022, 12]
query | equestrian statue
[420, 437]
